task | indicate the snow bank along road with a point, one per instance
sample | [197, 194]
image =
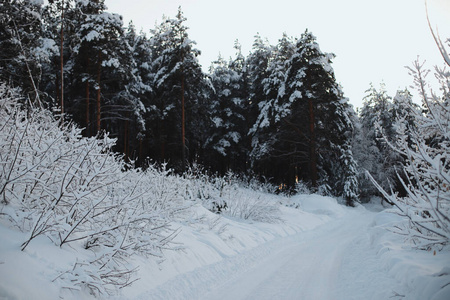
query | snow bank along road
[333, 261]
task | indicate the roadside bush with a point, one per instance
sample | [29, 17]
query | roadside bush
[74, 190]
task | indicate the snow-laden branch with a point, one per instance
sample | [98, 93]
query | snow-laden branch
[74, 190]
[426, 174]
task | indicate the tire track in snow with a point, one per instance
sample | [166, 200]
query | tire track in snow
[323, 263]
[316, 266]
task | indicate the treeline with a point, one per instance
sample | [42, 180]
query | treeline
[277, 113]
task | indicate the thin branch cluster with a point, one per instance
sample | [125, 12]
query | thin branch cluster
[75, 191]
[426, 175]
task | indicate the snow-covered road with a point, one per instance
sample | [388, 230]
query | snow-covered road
[321, 264]
[333, 261]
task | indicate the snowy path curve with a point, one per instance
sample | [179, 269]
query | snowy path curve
[323, 263]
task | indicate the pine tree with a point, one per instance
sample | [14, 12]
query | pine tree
[227, 116]
[178, 83]
[104, 30]
[257, 64]
[57, 16]
[319, 120]
[265, 131]
[377, 131]
[404, 110]
[22, 45]
[138, 89]
[367, 156]
[341, 132]
[301, 89]
[123, 89]
[241, 92]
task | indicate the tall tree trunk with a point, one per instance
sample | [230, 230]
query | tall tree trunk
[62, 61]
[57, 86]
[87, 107]
[183, 121]
[312, 145]
[140, 153]
[162, 140]
[99, 91]
[125, 138]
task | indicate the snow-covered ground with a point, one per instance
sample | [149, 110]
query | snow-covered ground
[321, 250]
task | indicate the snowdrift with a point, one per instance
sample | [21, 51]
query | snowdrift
[423, 274]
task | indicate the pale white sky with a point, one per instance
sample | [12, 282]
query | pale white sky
[373, 40]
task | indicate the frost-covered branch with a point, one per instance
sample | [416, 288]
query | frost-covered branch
[70, 189]
[426, 176]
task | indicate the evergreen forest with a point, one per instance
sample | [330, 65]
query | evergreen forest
[277, 113]
[122, 158]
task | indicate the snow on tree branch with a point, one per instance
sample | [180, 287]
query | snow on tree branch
[426, 175]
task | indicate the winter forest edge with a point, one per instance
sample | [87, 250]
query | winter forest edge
[105, 157]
